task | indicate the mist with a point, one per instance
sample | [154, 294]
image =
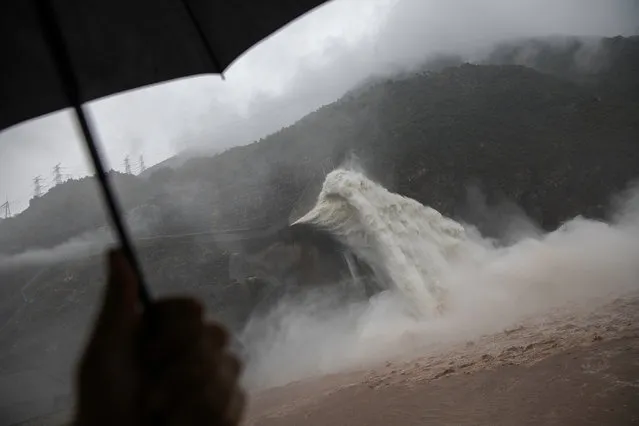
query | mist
[87, 244]
[142, 223]
[490, 287]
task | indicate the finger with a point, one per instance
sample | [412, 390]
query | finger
[173, 327]
[198, 361]
[180, 309]
[119, 310]
[181, 380]
[235, 408]
[218, 336]
[228, 368]
[205, 407]
[227, 414]
[200, 411]
[191, 375]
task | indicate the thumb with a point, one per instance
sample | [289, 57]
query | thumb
[119, 311]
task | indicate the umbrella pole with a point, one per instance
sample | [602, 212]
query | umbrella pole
[115, 211]
[53, 36]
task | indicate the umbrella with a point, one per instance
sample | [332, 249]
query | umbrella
[64, 53]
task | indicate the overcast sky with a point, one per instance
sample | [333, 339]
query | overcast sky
[309, 63]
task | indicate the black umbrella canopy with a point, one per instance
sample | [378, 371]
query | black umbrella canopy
[118, 45]
[63, 53]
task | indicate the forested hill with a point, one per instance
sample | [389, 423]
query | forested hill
[66, 210]
[557, 140]
[611, 65]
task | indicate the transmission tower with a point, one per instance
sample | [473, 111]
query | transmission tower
[127, 165]
[37, 186]
[6, 207]
[57, 174]
[142, 165]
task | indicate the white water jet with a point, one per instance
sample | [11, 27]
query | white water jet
[410, 246]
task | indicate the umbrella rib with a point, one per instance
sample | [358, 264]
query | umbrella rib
[55, 40]
[207, 46]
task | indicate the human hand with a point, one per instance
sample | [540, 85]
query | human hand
[165, 366]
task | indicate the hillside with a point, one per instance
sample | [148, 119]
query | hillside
[65, 211]
[610, 64]
[530, 136]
